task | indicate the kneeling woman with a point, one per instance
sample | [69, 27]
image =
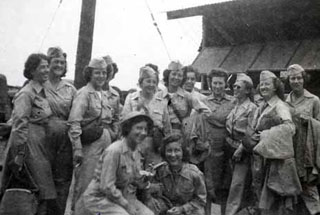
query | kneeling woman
[117, 176]
[178, 187]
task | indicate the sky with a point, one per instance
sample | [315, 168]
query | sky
[123, 29]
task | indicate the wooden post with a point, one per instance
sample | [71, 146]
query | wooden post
[85, 40]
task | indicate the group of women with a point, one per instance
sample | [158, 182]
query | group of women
[165, 151]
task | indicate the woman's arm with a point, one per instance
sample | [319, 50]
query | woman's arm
[199, 198]
[20, 119]
[127, 107]
[79, 107]
[108, 178]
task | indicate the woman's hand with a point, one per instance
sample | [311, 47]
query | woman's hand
[131, 209]
[16, 165]
[156, 188]
[77, 157]
[175, 211]
[237, 154]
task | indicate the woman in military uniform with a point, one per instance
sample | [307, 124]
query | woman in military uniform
[118, 173]
[90, 120]
[306, 106]
[146, 101]
[275, 179]
[28, 136]
[60, 96]
[178, 186]
[237, 122]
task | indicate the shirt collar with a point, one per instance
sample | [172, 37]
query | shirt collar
[273, 101]
[136, 95]
[90, 87]
[224, 97]
[113, 92]
[36, 86]
[182, 171]
[61, 84]
[245, 104]
[179, 92]
[307, 94]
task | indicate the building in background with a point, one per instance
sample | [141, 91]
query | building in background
[255, 35]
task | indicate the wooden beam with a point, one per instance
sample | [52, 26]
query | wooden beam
[85, 40]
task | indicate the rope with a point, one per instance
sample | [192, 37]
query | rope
[52, 20]
[158, 29]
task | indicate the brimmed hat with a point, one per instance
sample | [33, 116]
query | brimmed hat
[55, 52]
[97, 63]
[264, 75]
[133, 115]
[175, 65]
[295, 69]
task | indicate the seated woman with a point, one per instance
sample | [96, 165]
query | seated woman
[178, 187]
[118, 175]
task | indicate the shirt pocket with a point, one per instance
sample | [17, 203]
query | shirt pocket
[40, 109]
[186, 188]
[95, 106]
[107, 112]
[157, 117]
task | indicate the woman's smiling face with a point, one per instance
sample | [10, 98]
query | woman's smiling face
[175, 78]
[174, 154]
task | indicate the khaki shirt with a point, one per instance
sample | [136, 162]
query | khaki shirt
[116, 170]
[185, 188]
[183, 102]
[30, 106]
[238, 119]
[87, 107]
[156, 109]
[308, 105]
[213, 126]
[60, 98]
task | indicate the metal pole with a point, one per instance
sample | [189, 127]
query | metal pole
[85, 40]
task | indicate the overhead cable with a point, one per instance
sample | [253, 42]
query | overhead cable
[50, 24]
[158, 29]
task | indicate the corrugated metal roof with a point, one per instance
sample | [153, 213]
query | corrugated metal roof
[260, 56]
[210, 58]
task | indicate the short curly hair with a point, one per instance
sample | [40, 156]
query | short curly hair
[127, 126]
[188, 69]
[175, 137]
[166, 74]
[32, 63]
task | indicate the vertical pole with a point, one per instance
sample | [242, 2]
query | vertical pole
[85, 40]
